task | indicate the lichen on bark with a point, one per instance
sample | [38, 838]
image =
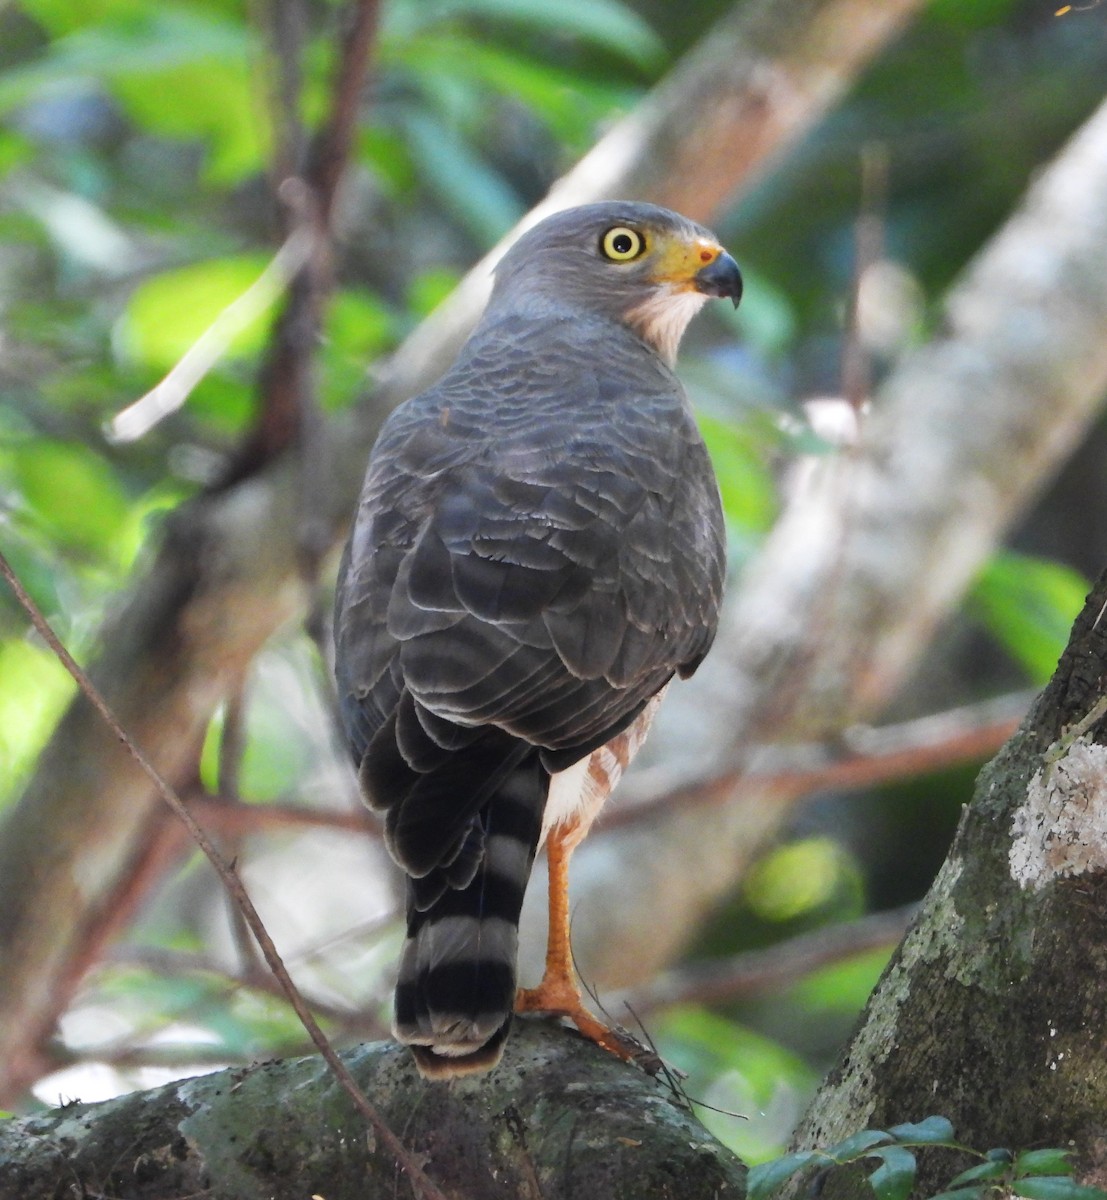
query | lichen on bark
[992, 1011]
[557, 1120]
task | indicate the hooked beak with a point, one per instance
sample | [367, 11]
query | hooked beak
[720, 277]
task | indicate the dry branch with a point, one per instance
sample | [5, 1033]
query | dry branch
[759, 972]
[861, 757]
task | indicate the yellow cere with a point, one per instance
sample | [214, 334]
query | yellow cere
[678, 261]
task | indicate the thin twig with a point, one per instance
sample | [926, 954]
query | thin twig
[166, 397]
[229, 983]
[755, 972]
[331, 149]
[286, 22]
[237, 817]
[868, 248]
[232, 746]
[421, 1183]
[327, 158]
[862, 758]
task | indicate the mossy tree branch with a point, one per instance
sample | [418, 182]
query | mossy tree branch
[557, 1120]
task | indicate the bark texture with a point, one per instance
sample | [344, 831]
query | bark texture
[558, 1120]
[993, 1010]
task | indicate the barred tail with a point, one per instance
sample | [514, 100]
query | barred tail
[456, 987]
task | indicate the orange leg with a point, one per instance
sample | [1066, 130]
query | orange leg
[558, 993]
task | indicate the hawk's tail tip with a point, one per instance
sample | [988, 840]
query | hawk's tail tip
[437, 1066]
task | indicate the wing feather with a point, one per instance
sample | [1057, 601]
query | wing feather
[537, 552]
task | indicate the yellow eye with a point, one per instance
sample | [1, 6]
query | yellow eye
[622, 244]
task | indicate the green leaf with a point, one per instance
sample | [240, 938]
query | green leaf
[73, 491]
[179, 70]
[1054, 1187]
[34, 689]
[979, 1173]
[967, 1193]
[842, 987]
[765, 1178]
[357, 323]
[931, 1131]
[223, 404]
[428, 289]
[31, 558]
[274, 759]
[895, 1176]
[980, 14]
[167, 313]
[1053, 1161]
[15, 150]
[1029, 605]
[796, 879]
[857, 1145]
[387, 154]
[569, 106]
[741, 1071]
[607, 24]
[476, 194]
[741, 465]
[154, 40]
[211, 101]
[62, 16]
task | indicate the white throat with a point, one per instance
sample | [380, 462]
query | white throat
[662, 319]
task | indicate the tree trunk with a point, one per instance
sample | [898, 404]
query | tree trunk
[993, 1011]
[559, 1119]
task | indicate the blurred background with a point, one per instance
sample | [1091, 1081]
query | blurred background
[138, 147]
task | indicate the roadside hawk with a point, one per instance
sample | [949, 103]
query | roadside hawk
[537, 551]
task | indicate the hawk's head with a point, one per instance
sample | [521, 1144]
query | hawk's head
[648, 267]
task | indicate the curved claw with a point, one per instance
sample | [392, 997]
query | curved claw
[557, 997]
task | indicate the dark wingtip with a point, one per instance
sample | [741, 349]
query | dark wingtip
[721, 278]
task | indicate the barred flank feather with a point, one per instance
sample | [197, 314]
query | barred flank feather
[456, 986]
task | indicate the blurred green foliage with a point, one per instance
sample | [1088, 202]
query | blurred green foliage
[746, 1088]
[135, 141]
[1040, 1174]
[1028, 605]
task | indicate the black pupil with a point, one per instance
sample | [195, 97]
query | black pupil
[622, 243]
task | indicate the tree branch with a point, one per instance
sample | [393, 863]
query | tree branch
[757, 972]
[860, 757]
[558, 1120]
